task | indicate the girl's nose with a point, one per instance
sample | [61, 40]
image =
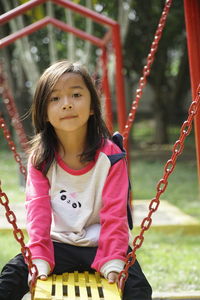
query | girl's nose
[66, 105]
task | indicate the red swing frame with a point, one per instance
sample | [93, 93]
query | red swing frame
[113, 34]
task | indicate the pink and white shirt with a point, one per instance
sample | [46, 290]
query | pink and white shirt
[86, 208]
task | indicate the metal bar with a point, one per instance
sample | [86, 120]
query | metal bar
[120, 93]
[192, 19]
[42, 23]
[86, 12]
[81, 34]
[19, 10]
[23, 32]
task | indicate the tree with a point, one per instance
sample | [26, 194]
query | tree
[171, 59]
[29, 56]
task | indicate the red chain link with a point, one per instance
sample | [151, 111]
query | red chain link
[12, 146]
[147, 69]
[162, 184]
[12, 110]
[10, 215]
[19, 236]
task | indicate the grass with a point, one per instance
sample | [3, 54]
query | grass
[11, 179]
[147, 167]
[171, 262]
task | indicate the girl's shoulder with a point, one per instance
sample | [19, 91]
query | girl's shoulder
[109, 147]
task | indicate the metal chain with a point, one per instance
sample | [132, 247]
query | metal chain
[162, 184]
[12, 110]
[19, 236]
[12, 146]
[147, 69]
[10, 215]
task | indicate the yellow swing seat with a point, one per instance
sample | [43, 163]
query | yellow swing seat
[75, 286]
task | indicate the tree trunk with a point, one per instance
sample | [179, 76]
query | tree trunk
[88, 29]
[123, 17]
[52, 42]
[71, 41]
[22, 49]
[180, 88]
[161, 118]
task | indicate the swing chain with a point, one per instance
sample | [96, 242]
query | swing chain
[12, 146]
[162, 185]
[10, 215]
[147, 69]
[19, 236]
[12, 110]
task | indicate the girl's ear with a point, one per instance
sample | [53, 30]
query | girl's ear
[91, 112]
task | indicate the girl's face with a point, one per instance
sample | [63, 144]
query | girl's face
[69, 105]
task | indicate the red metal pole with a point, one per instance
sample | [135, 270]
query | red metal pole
[120, 93]
[45, 21]
[86, 12]
[106, 89]
[192, 19]
[100, 43]
[19, 10]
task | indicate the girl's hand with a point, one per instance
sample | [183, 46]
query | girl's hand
[42, 277]
[113, 277]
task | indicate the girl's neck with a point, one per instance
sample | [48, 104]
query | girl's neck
[72, 146]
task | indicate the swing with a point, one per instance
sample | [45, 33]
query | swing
[93, 286]
[76, 286]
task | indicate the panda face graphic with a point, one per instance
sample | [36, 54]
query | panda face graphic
[70, 199]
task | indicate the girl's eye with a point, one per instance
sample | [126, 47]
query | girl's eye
[76, 95]
[54, 99]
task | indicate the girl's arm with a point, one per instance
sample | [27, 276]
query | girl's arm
[39, 218]
[114, 236]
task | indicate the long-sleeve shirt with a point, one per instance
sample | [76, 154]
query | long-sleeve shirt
[86, 207]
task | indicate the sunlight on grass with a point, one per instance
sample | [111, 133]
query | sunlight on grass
[171, 262]
[11, 249]
[11, 178]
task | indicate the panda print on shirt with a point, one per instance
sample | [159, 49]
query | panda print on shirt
[66, 210]
[69, 198]
[67, 225]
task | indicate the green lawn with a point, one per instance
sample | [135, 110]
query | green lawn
[171, 262]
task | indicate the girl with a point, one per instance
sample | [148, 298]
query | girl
[76, 198]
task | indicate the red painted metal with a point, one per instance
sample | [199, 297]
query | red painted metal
[192, 19]
[44, 22]
[8, 99]
[19, 10]
[161, 186]
[86, 12]
[146, 69]
[114, 28]
[121, 101]
[10, 215]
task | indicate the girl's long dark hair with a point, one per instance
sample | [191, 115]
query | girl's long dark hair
[45, 143]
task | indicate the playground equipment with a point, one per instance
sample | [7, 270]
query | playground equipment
[104, 290]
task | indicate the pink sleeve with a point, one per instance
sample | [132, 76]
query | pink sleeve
[38, 208]
[113, 241]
